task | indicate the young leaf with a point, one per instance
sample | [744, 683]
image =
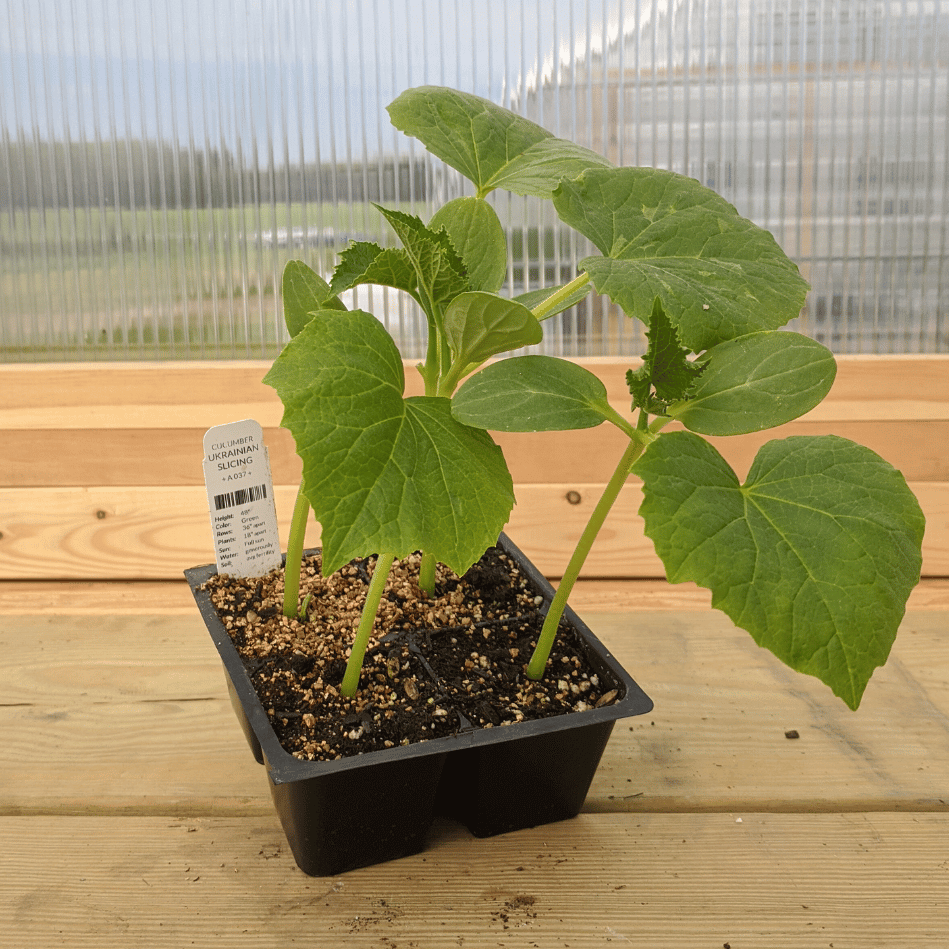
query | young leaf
[477, 235]
[532, 394]
[481, 325]
[366, 262]
[756, 382]
[304, 292]
[385, 473]
[491, 146]
[815, 555]
[440, 271]
[717, 274]
[666, 369]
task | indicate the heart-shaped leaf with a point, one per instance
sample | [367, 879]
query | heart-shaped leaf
[304, 292]
[491, 146]
[756, 382]
[477, 234]
[385, 473]
[532, 394]
[815, 554]
[481, 325]
[663, 235]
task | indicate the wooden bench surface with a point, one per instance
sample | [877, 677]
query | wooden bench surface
[132, 814]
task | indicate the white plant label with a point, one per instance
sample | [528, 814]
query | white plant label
[241, 500]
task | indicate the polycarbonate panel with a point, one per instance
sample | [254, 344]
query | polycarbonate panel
[160, 160]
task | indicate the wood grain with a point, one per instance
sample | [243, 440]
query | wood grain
[146, 421]
[268, 412]
[700, 881]
[119, 714]
[100, 475]
[154, 533]
[113, 532]
[62, 385]
[173, 598]
[143, 456]
[132, 814]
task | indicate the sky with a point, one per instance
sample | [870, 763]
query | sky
[294, 80]
[261, 73]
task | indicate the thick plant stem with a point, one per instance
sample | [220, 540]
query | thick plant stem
[366, 622]
[554, 300]
[426, 574]
[291, 571]
[538, 663]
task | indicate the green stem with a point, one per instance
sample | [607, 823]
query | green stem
[445, 364]
[430, 366]
[555, 299]
[538, 662]
[426, 574]
[373, 595]
[449, 381]
[611, 415]
[451, 377]
[291, 572]
[658, 424]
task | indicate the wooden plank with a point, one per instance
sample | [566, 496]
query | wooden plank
[172, 597]
[64, 385]
[547, 526]
[268, 411]
[126, 457]
[899, 406]
[113, 532]
[702, 881]
[120, 714]
[634, 595]
[875, 376]
[716, 738]
[924, 377]
[154, 533]
[145, 456]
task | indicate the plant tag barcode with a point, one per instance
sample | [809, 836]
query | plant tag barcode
[240, 499]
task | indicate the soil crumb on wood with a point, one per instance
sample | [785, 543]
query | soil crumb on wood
[435, 666]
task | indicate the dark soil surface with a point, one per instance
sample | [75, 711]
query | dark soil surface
[436, 665]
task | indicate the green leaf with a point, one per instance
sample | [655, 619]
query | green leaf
[439, 269]
[382, 472]
[532, 394]
[663, 235]
[304, 292]
[477, 235]
[756, 382]
[815, 555]
[366, 262]
[534, 298]
[665, 369]
[481, 325]
[539, 169]
[491, 146]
